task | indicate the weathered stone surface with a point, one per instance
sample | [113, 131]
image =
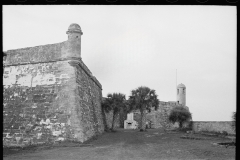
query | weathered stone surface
[89, 96]
[50, 95]
[50, 52]
[38, 101]
[213, 126]
[159, 118]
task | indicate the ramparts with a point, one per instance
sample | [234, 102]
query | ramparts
[49, 95]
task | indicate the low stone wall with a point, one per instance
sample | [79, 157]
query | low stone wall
[213, 126]
[159, 118]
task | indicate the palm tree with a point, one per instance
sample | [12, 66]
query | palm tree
[104, 115]
[114, 102]
[123, 114]
[143, 98]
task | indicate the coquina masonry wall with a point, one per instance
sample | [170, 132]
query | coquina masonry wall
[213, 126]
[159, 118]
[49, 95]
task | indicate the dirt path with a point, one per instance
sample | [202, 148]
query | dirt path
[154, 144]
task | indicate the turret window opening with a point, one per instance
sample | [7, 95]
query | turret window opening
[178, 91]
[183, 91]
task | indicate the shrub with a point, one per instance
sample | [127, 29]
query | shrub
[180, 115]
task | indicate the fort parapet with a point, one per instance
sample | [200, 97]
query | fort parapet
[50, 94]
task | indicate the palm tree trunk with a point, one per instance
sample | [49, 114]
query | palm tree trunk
[113, 120]
[143, 119]
[104, 120]
[140, 125]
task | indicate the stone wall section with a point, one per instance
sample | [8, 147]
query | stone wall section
[46, 102]
[213, 126]
[159, 118]
[88, 106]
[38, 102]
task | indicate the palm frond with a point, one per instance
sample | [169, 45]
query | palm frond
[143, 97]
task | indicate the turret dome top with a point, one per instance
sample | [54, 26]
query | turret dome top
[74, 27]
[181, 86]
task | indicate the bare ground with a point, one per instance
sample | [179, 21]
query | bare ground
[155, 144]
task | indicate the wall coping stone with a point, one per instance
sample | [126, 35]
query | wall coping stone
[79, 62]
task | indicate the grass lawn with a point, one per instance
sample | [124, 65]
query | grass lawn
[133, 145]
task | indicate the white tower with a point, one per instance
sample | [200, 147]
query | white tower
[181, 94]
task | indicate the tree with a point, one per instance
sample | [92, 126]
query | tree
[123, 114]
[143, 99]
[104, 116]
[114, 102]
[180, 115]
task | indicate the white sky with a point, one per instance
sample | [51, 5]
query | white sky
[129, 46]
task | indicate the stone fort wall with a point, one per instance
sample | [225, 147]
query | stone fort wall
[49, 95]
[159, 118]
[213, 126]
